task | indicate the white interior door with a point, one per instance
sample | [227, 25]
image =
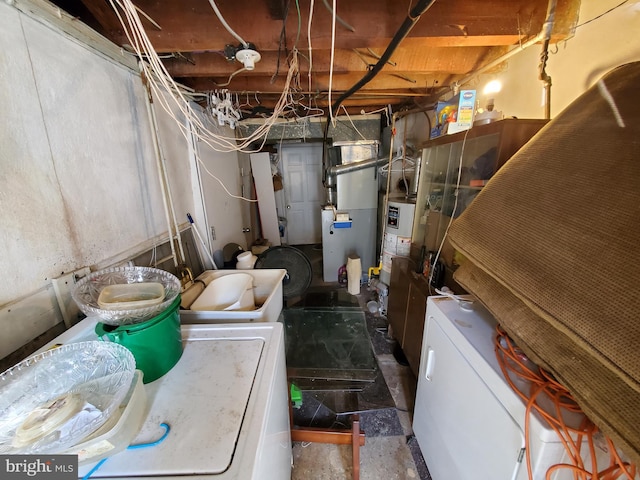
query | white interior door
[303, 192]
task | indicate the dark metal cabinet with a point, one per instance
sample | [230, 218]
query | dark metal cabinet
[408, 292]
[398, 297]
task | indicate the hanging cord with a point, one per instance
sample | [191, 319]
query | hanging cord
[353, 124]
[414, 15]
[516, 366]
[162, 438]
[340, 20]
[282, 42]
[226, 25]
[310, 49]
[161, 83]
[453, 213]
[333, 48]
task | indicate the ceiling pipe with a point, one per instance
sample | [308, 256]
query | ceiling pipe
[543, 36]
[544, 56]
[335, 170]
[413, 17]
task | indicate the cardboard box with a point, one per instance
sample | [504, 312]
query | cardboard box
[455, 115]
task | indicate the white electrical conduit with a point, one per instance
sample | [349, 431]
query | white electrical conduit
[309, 40]
[156, 149]
[226, 25]
[333, 45]
[172, 210]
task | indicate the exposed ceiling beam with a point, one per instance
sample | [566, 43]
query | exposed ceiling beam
[406, 61]
[191, 25]
[341, 82]
[451, 41]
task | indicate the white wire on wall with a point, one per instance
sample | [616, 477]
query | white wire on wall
[453, 213]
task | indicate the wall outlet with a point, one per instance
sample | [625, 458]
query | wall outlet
[62, 286]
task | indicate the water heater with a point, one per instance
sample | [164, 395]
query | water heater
[397, 236]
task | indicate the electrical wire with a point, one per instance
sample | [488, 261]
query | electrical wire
[282, 40]
[602, 14]
[352, 124]
[226, 25]
[240, 70]
[382, 109]
[413, 16]
[453, 213]
[516, 366]
[333, 45]
[156, 74]
[295, 44]
[309, 41]
[169, 95]
[333, 12]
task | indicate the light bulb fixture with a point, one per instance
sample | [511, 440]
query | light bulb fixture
[494, 86]
[248, 57]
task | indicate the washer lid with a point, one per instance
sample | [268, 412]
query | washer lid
[203, 399]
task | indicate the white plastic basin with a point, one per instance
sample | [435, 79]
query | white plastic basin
[228, 293]
[267, 293]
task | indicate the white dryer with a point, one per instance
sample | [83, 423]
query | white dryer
[468, 421]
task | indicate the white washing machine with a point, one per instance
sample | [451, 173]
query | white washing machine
[226, 402]
[468, 421]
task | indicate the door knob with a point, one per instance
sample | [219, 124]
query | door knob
[288, 207]
[246, 230]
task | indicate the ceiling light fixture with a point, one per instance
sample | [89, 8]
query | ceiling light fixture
[247, 55]
[494, 86]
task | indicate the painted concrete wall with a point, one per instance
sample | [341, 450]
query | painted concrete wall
[224, 214]
[578, 63]
[78, 176]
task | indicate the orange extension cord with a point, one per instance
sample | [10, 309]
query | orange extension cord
[514, 364]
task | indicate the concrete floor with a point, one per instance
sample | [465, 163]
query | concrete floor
[390, 451]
